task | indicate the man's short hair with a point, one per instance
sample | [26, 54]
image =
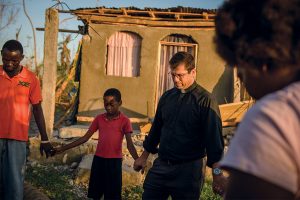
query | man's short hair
[182, 57]
[255, 33]
[13, 45]
[113, 92]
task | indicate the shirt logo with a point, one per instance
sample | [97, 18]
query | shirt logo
[25, 84]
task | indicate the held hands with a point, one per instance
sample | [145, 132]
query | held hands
[140, 164]
[47, 148]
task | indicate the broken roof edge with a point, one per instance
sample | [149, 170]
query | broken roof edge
[171, 9]
[147, 23]
[152, 14]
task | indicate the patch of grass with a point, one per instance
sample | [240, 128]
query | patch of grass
[57, 184]
[207, 193]
[132, 192]
[54, 183]
[135, 192]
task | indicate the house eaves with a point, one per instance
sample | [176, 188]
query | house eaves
[172, 18]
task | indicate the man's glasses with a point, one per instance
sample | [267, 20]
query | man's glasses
[179, 76]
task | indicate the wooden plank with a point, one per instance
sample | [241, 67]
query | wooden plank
[151, 14]
[138, 120]
[177, 44]
[50, 68]
[124, 11]
[120, 11]
[60, 30]
[157, 18]
[85, 119]
[148, 22]
[229, 124]
[233, 113]
[146, 128]
[161, 26]
[205, 15]
[200, 18]
[100, 11]
[235, 103]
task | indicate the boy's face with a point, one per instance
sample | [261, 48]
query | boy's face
[11, 60]
[111, 105]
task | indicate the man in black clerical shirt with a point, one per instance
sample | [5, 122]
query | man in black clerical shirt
[187, 127]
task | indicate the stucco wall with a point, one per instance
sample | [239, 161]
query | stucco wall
[138, 93]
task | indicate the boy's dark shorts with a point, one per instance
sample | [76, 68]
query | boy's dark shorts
[106, 178]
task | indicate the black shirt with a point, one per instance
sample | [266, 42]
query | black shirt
[187, 126]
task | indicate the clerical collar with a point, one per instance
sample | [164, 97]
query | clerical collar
[189, 88]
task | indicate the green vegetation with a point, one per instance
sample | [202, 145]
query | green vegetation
[132, 192]
[57, 183]
[135, 192]
[207, 193]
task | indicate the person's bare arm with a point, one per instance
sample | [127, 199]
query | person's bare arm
[246, 186]
[76, 143]
[40, 121]
[131, 147]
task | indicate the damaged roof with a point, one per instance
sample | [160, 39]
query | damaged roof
[154, 17]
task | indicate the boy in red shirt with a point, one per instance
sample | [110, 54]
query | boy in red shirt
[106, 171]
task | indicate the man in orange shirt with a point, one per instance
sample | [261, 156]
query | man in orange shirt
[19, 88]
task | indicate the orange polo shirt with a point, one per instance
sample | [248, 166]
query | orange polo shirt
[16, 95]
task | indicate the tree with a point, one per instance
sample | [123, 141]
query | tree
[18, 32]
[8, 13]
[34, 38]
[65, 54]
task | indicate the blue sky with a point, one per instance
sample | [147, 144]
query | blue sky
[36, 10]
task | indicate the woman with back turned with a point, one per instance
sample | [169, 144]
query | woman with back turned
[262, 39]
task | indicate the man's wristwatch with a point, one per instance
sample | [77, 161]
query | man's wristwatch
[216, 171]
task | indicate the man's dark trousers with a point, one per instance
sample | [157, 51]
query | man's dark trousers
[180, 180]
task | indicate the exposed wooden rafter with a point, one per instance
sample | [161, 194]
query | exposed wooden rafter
[150, 18]
[147, 22]
[143, 13]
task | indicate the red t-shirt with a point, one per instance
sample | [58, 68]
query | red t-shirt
[16, 95]
[111, 133]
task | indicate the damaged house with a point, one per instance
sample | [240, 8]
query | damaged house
[129, 49]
